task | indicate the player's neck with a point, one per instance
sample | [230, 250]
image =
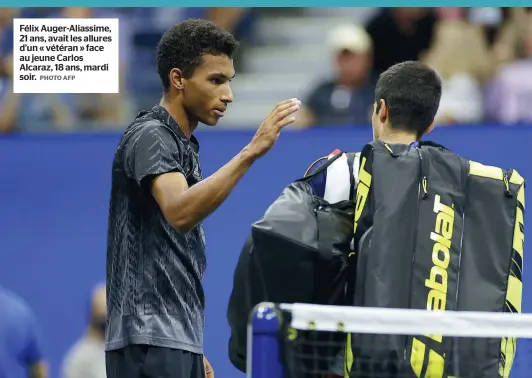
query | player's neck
[397, 137]
[179, 114]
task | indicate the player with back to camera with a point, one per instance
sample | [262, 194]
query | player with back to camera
[407, 98]
[155, 243]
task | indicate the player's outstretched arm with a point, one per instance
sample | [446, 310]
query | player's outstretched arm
[185, 207]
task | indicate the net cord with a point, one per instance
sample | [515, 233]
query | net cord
[408, 321]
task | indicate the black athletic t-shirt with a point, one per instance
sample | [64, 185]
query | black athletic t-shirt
[154, 273]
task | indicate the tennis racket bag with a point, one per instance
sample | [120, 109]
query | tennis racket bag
[297, 252]
[446, 235]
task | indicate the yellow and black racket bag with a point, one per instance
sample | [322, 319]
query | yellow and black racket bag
[441, 233]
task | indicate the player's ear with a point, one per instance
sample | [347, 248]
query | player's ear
[382, 111]
[176, 78]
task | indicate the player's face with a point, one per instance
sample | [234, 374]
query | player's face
[208, 92]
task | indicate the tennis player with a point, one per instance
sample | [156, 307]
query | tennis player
[407, 98]
[156, 244]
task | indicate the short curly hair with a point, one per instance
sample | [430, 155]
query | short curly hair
[412, 92]
[186, 42]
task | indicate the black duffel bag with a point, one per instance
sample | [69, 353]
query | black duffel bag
[298, 252]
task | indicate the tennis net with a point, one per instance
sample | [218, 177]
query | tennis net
[313, 341]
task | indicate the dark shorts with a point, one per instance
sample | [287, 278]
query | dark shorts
[146, 361]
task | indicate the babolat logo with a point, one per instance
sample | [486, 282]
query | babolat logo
[437, 284]
[441, 256]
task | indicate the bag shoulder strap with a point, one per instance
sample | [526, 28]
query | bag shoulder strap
[331, 158]
[352, 157]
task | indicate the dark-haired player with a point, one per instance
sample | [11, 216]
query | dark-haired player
[155, 243]
[407, 97]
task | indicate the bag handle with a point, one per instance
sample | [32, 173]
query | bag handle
[322, 168]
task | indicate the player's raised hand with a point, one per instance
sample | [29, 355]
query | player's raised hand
[269, 130]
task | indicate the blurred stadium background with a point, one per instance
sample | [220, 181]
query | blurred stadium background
[56, 150]
[316, 54]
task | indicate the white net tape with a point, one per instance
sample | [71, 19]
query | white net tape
[409, 322]
[317, 341]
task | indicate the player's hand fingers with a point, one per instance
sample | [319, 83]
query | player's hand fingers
[282, 106]
[286, 102]
[285, 113]
[286, 121]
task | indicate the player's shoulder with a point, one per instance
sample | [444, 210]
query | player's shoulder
[146, 123]
[146, 129]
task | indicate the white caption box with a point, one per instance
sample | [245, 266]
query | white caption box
[65, 55]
